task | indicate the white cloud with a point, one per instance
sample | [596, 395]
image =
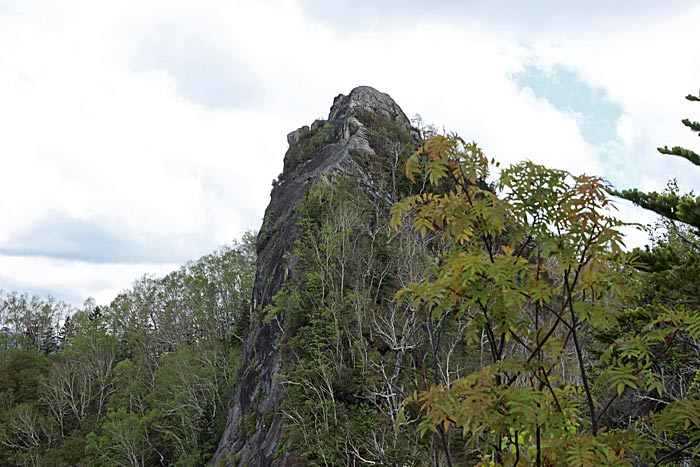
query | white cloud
[164, 122]
[72, 281]
[513, 18]
[648, 70]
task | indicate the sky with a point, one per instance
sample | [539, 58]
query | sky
[136, 136]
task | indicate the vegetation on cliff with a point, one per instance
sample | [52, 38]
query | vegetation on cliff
[411, 306]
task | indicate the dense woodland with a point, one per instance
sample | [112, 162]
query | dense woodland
[489, 317]
[142, 381]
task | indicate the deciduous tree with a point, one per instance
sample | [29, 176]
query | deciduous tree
[532, 260]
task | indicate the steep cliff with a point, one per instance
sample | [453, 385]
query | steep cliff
[361, 147]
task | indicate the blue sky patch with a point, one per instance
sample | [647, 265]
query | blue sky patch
[597, 114]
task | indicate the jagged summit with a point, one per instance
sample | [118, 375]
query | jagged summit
[364, 99]
[349, 119]
[361, 146]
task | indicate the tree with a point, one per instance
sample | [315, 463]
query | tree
[534, 262]
[31, 321]
[168, 388]
[142, 381]
[123, 442]
[23, 429]
[663, 301]
[666, 301]
[671, 205]
[80, 377]
[347, 349]
[185, 400]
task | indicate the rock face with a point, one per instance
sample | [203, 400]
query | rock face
[351, 144]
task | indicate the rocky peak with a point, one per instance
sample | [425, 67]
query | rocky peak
[349, 123]
[364, 142]
[363, 100]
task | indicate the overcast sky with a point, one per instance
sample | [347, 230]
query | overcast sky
[135, 136]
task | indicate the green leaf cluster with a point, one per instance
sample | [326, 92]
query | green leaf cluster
[532, 261]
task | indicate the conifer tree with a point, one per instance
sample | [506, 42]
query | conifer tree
[666, 300]
[683, 208]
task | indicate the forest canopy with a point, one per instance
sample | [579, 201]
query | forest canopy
[143, 381]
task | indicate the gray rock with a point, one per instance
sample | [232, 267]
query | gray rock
[351, 126]
[294, 137]
[358, 144]
[254, 424]
[317, 124]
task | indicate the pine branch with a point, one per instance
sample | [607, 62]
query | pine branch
[694, 126]
[663, 204]
[684, 209]
[681, 152]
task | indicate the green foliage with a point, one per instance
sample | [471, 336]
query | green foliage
[684, 208]
[664, 318]
[248, 424]
[532, 261]
[184, 402]
[123, 440]
[344, 342]
[21, 374]
[143, 381]
[581, 345]
[393, 144]
[309, 141]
